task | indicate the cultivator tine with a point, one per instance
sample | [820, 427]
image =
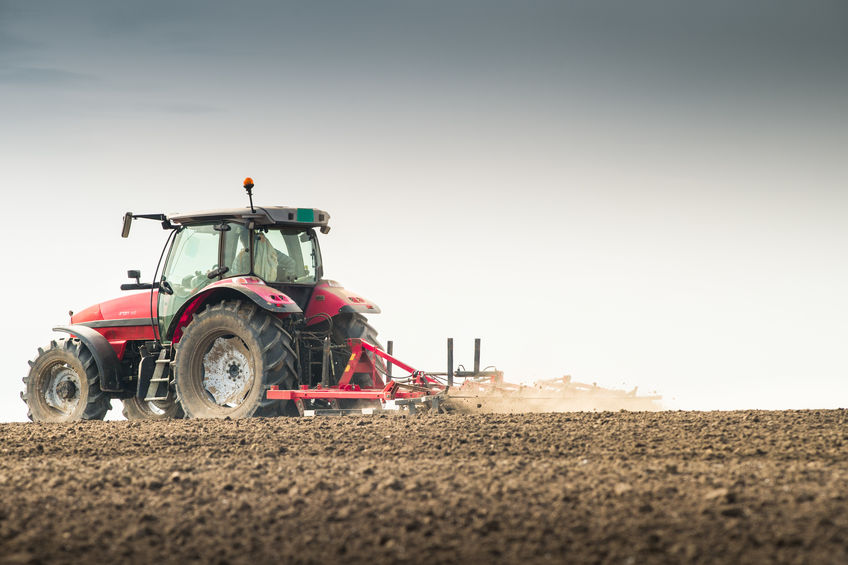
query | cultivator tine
[450, 362]
[325, 363]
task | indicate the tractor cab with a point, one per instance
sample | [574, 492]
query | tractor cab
[277, 245]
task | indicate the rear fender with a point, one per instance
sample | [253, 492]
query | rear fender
[108, 366]
[331, 299]
[252, 288]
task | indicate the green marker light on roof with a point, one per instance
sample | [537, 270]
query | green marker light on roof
[305, 215]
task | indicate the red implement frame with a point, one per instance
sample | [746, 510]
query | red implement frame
[417, 385]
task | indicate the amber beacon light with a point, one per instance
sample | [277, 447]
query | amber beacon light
[248, 186]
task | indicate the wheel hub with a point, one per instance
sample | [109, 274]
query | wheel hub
[227, 374]
[63, 389]
[66, 390]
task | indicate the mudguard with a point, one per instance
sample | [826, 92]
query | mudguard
[329, 298]
[108, 366]
[253, 288]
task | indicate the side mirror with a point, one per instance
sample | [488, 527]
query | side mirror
[137, 285]
[128, 218]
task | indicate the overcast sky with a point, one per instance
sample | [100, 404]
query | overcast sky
[634, 193]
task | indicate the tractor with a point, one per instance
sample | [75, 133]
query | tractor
[239, 306]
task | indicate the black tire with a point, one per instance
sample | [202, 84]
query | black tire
[229, 355]
[137, 409]
[63, 384]
[348, 326]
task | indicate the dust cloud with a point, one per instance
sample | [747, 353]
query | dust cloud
[555, 395]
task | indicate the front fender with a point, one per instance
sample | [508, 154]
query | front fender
[108, 366]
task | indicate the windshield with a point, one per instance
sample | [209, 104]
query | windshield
[285, 255]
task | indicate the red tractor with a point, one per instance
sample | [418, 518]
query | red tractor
[240, 305]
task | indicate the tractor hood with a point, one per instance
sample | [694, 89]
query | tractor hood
[133, 309]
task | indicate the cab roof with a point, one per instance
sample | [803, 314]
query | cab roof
[263, 216]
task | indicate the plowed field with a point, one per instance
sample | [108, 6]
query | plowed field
[719, 487]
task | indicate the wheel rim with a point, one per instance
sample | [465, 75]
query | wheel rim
[226, 373]
[62, 388]
[154, 407]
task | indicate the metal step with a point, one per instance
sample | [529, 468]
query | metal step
[158, 377]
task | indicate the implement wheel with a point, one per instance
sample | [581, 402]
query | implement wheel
[228, 357]
[63, 385]
[137, 409]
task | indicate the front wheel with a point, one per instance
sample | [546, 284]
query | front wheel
[228, 358]
[63, 384]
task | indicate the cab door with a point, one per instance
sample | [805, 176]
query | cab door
[194, 253]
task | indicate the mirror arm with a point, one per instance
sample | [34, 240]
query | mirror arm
[136, 286]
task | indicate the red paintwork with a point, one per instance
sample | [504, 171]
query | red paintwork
[272, 297]
[186, 317]
[90, 314]
[133, 307]
[269, 294]
[329, 297]
[256, 285]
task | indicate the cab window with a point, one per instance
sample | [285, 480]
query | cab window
[287, 255]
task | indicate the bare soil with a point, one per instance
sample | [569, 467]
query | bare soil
[612, 487]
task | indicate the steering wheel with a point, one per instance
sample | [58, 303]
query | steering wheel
[189, 284]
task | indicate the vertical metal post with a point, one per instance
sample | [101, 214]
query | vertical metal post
[476, 355]
[325, 363]
[390, 347]
[450, 361]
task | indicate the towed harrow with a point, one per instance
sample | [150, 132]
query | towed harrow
[453, 390]
[418, 389]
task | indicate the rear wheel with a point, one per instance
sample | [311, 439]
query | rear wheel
[63, 384]
[137, 409]
[227, 359]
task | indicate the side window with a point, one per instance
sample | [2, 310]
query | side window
[296, 256]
